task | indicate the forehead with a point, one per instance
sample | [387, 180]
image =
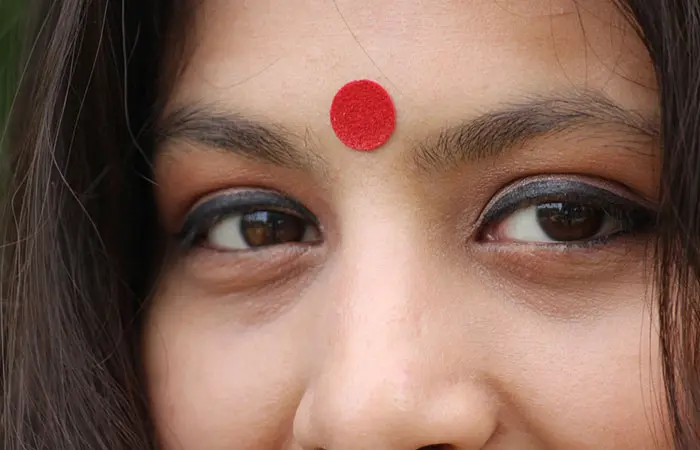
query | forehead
[285, 59]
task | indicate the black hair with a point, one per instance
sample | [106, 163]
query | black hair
[671, 32]
[78, 225]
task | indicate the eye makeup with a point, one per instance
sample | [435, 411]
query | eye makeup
[206, 214]
[635, 215]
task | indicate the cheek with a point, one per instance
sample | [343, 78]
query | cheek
[212, 383]
[592, 383]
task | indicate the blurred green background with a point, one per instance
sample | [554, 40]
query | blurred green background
[11, 30]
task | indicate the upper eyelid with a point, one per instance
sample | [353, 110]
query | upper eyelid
[280, 201]
[253, 196]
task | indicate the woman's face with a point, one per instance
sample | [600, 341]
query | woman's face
[480, 281]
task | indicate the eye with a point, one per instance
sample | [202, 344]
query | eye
[557, 222]
[563, 212]
[249, 220]
[260, 229]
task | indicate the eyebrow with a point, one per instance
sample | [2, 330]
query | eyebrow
[491, 134]
[486, 136]
[217, 128]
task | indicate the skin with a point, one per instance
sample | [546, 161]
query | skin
[404, 327]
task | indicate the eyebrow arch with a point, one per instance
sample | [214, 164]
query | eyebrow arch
[218, 128]
[491, 134]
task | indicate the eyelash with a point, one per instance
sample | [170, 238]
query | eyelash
[635, 216]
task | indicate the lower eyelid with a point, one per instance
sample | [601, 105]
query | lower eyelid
[601, 243]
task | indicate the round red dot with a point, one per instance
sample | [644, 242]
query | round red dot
[363, 115]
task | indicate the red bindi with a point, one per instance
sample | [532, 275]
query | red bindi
[363, 115]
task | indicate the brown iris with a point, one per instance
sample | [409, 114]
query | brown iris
[264, 228]
[567, 221]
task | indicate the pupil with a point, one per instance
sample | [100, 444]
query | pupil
[565, 221]
[263, 228]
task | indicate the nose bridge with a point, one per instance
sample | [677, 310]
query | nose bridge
[379, 281]
[387, 380]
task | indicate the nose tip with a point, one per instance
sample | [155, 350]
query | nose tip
[462, 417]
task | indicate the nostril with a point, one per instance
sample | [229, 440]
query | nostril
[427, 447]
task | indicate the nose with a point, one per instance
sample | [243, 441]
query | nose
[392, 376]
[381, 411]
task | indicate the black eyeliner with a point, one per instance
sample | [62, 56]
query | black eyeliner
[561, 190]
[205, 215]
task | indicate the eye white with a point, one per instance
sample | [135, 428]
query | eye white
[311, 234]
[226, 234]
[523, 226]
